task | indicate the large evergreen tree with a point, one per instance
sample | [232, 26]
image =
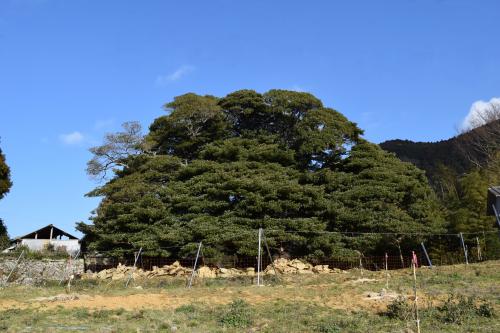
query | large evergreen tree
[216, 169]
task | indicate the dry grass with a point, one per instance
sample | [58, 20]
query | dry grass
[340, 302]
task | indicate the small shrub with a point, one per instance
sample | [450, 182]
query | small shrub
[458, 309]
[48, 252]
[485, 310]
[238, 314]
[101, 314]
[105, 314]
[166, 327]
[119, 311]
[81, 313]
[400, 308]
[10, 313]
[327, 327]
[136, 315]
[188, 308]
[79, 285]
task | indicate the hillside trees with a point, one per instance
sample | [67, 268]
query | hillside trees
[5, 184]
[461, 169]
[474, 148]
[4, 236]
[216, 169]
[466, 202]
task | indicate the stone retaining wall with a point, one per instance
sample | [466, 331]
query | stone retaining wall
[38, 271]
[279, 266]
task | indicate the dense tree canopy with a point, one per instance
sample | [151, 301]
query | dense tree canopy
[216, 169]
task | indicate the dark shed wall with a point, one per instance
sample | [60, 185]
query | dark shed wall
[493, 200]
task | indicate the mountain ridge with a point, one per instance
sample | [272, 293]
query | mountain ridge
[461, 153]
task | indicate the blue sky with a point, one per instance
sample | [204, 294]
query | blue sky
[71, 71]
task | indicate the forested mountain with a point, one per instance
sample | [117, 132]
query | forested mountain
[460, 154]
[460, 169]
[5, 185]
[216, 169]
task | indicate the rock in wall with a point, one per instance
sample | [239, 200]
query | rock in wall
[38, 271]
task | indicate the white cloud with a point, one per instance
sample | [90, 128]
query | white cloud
[72, 138]
[479, 113]
[176, 75]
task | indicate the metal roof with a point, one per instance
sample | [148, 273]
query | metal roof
[44, 233]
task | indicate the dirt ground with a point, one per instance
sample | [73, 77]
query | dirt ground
[160, 301]
[350, 291]
[320, 294]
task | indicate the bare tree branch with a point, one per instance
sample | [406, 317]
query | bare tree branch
[116, 150]
[480, 140]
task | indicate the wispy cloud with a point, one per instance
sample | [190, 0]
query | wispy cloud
[480, 113]
[72, 138]
[175, 75]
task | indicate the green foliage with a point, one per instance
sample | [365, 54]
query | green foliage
[4, 237]
[187, 308]
[465, 199]
[485, 309]
[5, 185]
[237, 314]
[400, 309]
[193, 121]
[218, 169]
[458, 309]
[47, 253]
[460, 169]
[5, 182]
[347, 324]
[467, 204]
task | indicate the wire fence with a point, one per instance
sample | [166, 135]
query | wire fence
[438, 250]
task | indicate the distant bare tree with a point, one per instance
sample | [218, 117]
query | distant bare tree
[480, 141]
[116, 150]
[486, 115]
